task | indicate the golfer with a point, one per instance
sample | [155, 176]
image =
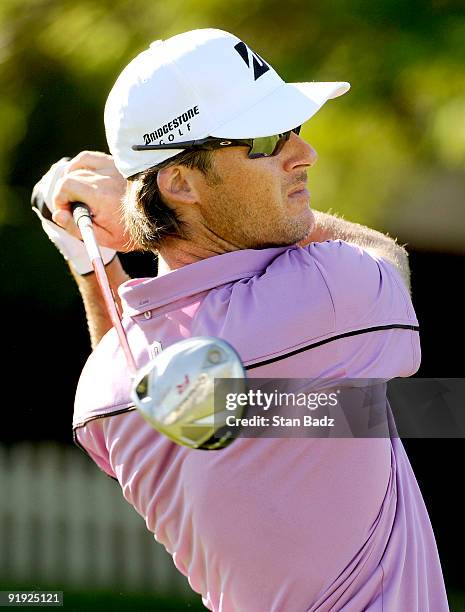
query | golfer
[210, 172]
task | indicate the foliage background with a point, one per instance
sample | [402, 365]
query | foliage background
[392, 151]
[392, 155]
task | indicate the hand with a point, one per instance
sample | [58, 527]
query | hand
[71, 247]
[91, 177]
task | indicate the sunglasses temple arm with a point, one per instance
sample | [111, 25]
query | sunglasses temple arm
[188, 144]
[83, 220]
[174, 145]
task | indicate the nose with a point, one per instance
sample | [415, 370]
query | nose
[298, 152]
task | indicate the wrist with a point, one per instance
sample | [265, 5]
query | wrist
[114, 271]
[72, 249]
[92, 271]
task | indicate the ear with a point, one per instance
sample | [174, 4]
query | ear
[177, 184]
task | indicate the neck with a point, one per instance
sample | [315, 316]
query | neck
[181, 253]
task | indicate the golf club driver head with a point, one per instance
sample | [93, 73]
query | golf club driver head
[175, 392]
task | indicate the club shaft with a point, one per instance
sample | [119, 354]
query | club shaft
[82, 217]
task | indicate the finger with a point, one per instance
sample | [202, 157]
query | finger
[90, 160]
[64, 219]
[72, 188]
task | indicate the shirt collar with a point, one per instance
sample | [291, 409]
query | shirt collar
[140, 295]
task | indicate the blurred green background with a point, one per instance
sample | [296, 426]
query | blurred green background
[391, 155]
[392, 152]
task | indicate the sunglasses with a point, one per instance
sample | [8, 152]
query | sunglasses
[258, 147]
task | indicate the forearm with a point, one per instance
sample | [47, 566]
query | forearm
[330, 227]
[98, 320]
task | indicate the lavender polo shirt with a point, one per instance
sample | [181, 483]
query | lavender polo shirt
[274, 525]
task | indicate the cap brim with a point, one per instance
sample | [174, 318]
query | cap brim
[285, 108]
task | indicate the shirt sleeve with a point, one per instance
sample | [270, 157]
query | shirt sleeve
[365, 290]
[374, 315]
[91, 439]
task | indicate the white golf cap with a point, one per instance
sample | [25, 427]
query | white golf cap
[197, 84]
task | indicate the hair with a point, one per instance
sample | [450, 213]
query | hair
[148, 218]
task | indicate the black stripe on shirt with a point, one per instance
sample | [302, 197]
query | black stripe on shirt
[345, 335]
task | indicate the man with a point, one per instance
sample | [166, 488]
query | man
[265, 524]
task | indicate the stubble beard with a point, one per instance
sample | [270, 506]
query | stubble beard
[263, 232]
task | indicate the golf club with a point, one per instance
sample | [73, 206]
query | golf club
[175, 391]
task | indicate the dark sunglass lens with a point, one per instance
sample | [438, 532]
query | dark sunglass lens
[264, 147]
[270, 145]
[283, 138]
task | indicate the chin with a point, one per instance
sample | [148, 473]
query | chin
[287, 231]
[304, 226]
[292, 238]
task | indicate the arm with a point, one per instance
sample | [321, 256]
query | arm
[331, 227]
[92, 178]
[98, 320]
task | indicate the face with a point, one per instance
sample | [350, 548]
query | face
[262, 202]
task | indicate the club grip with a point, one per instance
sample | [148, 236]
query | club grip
[79, 211]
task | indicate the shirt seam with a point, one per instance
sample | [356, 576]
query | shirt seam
[128, 407]
[328, 336]
[249, 364]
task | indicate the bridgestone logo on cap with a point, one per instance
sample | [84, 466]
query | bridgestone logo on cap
[171, 125]
[259, 66]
